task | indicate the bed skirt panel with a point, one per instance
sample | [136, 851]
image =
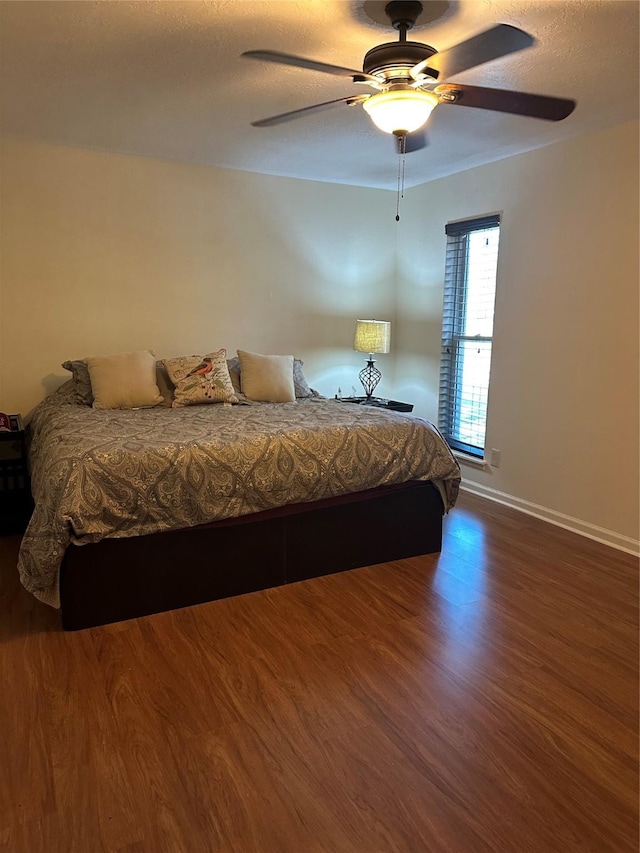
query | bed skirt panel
[117, 579]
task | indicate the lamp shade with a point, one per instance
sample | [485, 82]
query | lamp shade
[372, 336]
[400, 111]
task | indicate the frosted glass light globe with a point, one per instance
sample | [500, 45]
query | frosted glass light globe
[400, 111]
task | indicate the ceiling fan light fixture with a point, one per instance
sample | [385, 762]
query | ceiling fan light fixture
[400, 111]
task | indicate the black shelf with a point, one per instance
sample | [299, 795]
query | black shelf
[16, 503]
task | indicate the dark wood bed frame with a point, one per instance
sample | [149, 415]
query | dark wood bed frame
[117, 579]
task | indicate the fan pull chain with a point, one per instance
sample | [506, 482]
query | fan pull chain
[401, 168]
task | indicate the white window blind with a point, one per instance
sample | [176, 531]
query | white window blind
[467, 331]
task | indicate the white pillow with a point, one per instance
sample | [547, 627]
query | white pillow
[124, 381]
[268, 378]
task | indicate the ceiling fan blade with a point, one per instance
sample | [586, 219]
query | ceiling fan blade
[283, 117]
[311, 64]
[504, 101]
[490, 44]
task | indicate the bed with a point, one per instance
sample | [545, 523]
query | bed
[139, 511]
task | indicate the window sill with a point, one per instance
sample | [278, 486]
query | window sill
[473, 461]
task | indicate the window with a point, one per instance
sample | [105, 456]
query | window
[467, 331]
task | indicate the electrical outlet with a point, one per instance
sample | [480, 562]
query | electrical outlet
[496, 457]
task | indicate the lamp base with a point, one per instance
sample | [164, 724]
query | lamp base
[370, 376]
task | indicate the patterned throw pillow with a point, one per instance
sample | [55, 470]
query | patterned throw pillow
[234, 372]
[200, 379]
[300, 382]
[165, 385]
[81, 381]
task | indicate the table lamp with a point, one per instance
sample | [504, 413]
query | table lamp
[372, 336]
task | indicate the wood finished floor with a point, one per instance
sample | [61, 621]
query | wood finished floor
[484, 699]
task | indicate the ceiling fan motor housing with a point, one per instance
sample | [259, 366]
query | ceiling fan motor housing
[403, 14]
[394, 59]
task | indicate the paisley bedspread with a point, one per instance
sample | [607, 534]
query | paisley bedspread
[116, 473]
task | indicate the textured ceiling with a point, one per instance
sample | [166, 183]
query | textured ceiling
[165, 79]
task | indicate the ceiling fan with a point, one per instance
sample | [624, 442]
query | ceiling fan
[409, 75]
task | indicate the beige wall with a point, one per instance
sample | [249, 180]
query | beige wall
[563, 405]
[103, 253]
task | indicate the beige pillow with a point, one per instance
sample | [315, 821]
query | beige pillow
[268, 378]
[300, 384]
[200, 379]
[124, 381]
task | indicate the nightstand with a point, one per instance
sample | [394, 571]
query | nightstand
[16, 503]
[379, 403]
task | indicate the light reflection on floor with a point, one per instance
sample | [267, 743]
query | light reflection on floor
[464, 550]
[460, 582]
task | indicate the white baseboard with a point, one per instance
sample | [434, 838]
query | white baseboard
[584, 528]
